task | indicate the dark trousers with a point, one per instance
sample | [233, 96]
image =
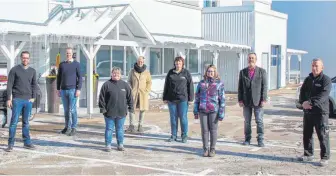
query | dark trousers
[259, 119]
[209, 125]
[320, 123]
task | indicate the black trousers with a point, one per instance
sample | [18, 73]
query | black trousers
[321, 125]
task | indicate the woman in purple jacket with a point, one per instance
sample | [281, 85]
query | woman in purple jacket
[209, 107]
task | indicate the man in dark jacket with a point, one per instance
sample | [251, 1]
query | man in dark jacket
[252, 95]
[314, 97]
[115, 100]
[3, 107]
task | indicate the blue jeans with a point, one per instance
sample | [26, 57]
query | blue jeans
[18, 105]
[69, 101]
[258, 114]
[178, 110]
[118, 124]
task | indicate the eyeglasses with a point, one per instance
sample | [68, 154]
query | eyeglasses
[210, 71]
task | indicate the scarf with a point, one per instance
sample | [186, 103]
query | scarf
[139, 69]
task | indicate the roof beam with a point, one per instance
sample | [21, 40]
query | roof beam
[125, 27]
[116, 43]
[105, 13]
[109, 27]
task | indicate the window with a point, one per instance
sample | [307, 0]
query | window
[103, 61]
[168, 59]
[275, 54]
[192, 60]
[130, 59]
[156, 61]
[210, 3]
[118, 57]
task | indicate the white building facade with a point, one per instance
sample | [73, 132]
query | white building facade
[114, 33]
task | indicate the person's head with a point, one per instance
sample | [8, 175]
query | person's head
[211, 72]
[69, 53]
[317, 66]
[179, 63]
[116, 73]
[141, 61]
[25, 58]
[252, 60]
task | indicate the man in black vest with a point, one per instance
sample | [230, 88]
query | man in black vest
[252, 95]
[314, 97]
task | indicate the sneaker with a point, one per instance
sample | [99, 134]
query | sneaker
[184, 139]
[9, 148]
[29, 146]
[73, 132]
[64, 131]
[206, 152]
[261, 144]
[305, 158]
[171, 139]
[323, 162]
[246, 143]
[121, 148]
[212, 152]
[140, 129]
[131, 129]
[108, 148]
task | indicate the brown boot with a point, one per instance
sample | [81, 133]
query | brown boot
[140, 129]
[130, 129]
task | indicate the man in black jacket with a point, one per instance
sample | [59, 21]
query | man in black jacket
[314, 97]
[252, 95]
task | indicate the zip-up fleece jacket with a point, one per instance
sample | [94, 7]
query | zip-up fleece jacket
[178, 86]
[316, 91]
[115, 99]
[210, 97]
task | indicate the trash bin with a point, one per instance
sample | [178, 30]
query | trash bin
[82, 101]
[52, 97]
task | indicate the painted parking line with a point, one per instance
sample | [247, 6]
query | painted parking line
[205, 172]
[219, 142]
[104, 161]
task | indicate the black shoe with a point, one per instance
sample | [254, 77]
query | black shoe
[29, 146]
[184, 139]
[64, 131]
[130, 129]
[140, 129]
[246, 143]
[261, 144]
[73, 132]
[171, 139]
[121, 148]
[9, 148]
[305, 158]
[212, 152]
[206, 152]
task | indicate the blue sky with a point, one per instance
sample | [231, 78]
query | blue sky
[311, 27]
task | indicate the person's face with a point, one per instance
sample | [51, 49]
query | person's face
[115, 75]
[211, 72]
[25, 59]
[69, 54]
[252, 60]
[317, 68]
[178, 65]
[140, 61]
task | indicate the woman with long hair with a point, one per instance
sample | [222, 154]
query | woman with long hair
[209, 107]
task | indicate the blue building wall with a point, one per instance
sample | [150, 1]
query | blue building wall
[311, 27]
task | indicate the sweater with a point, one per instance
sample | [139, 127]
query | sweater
[21, 83]
[210, 98]
[178, 86]
[69, 76]
[115, 99]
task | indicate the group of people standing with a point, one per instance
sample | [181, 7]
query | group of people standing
[119, 98]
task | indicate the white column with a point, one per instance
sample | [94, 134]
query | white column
[89, 53]
[47, 56]
[299, 58]
[215, 58]
[11, 53]
[78, 60]
[89, 82]
[289, 67]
